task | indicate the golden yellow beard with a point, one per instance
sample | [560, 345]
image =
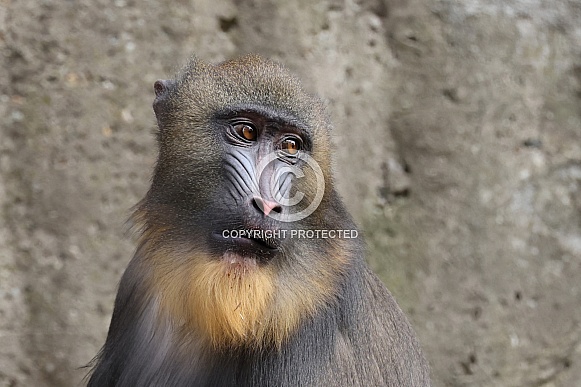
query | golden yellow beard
[228, 299]
[235, 301]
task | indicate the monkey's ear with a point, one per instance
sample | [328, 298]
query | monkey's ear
[161, 88]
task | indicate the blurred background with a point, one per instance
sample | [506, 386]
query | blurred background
[457, 149]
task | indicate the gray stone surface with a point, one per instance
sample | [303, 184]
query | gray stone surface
[458, 149]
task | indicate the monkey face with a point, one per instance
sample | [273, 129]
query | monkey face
[241, 163]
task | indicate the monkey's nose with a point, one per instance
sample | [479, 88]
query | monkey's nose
[266, 206]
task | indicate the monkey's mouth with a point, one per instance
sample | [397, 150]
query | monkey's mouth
[254, 241]
[267, 243]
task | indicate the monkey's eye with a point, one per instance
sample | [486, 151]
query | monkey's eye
[291, 146]
[246, 131]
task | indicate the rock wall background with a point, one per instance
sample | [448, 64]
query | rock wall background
[458, 149]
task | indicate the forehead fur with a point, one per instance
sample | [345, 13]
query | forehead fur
[246, 81]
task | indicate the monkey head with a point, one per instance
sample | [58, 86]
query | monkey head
[244, 152]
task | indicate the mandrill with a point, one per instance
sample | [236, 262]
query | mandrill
[248, 270]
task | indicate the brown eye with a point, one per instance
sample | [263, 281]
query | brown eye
[290, 146]
[246, 131]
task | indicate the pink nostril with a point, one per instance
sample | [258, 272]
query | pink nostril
[266, 206]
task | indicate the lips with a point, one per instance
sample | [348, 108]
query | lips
[253, 241]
